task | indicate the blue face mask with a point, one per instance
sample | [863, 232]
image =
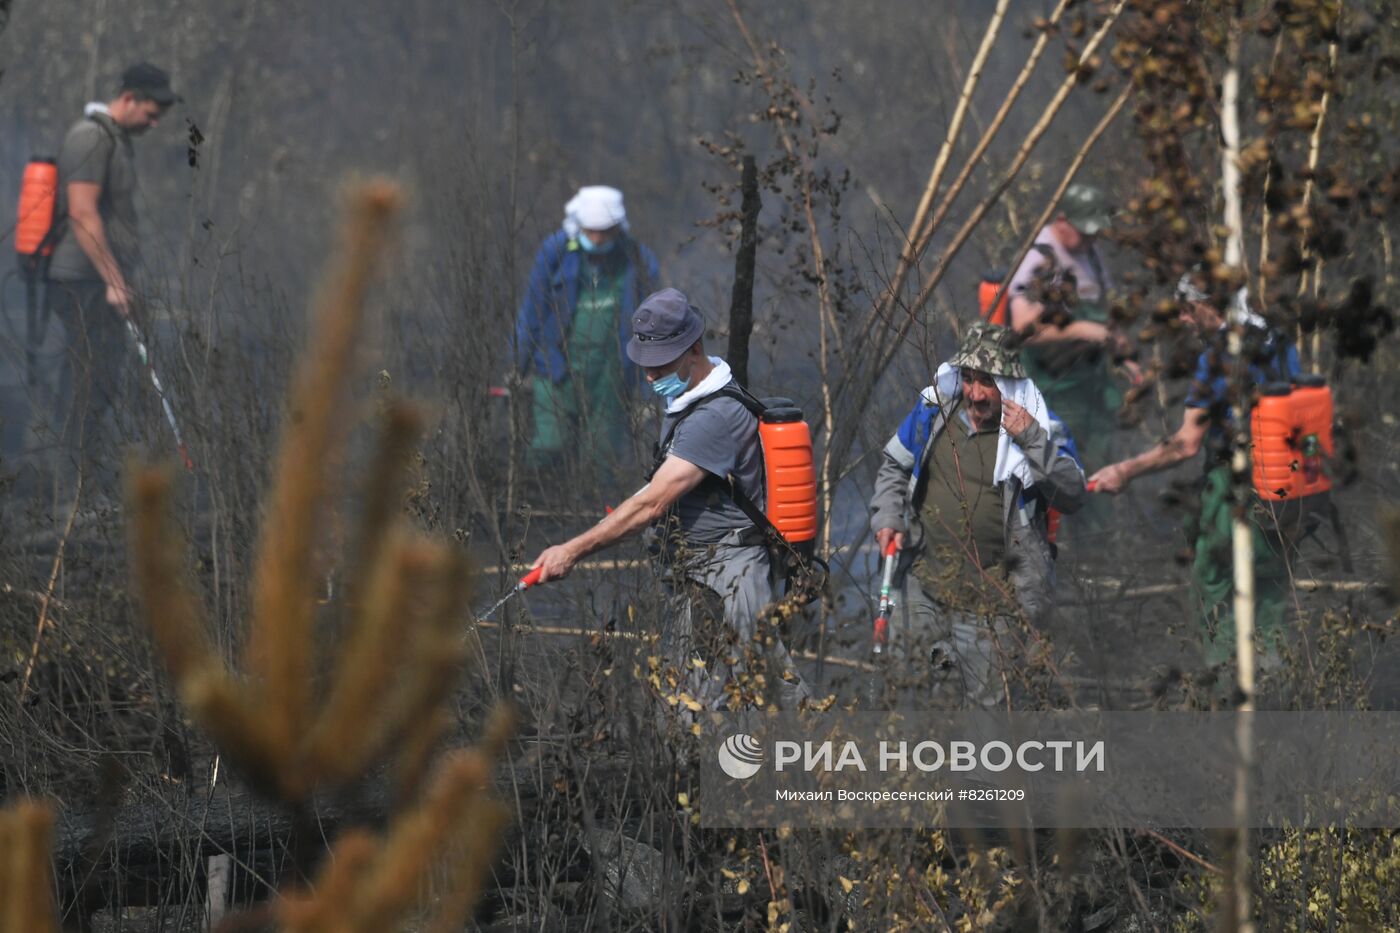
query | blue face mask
[595, 249]
[670, 386]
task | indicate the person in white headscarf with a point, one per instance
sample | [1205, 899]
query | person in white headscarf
[963, 493]
[572, 328]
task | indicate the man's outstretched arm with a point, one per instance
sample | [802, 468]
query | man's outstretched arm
[675, 478]
[1183, 445]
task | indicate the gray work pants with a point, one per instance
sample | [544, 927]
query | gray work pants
[92, 384]
[944, 658]
[711, 634]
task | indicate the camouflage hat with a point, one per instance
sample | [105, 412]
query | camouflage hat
[989, 349]
[1086, 208]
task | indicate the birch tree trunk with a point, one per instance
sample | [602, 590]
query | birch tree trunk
[1243, 550]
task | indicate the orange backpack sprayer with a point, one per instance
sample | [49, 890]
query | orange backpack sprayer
[1291, 433]
[1290, 440]
[789, 472]
[38, 197]
[998, 313]
[34, 240]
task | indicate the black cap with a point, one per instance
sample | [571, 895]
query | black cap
[148, 80]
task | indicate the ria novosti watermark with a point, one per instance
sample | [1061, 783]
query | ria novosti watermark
[929, 756]
[740, 756]
[1047, 769]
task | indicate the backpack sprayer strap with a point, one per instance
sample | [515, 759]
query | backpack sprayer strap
[771, 536]
[804, 570]
[663, 448]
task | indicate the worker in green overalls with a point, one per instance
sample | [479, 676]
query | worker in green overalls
[1212, 571]
[572, 328]
[1059, 301]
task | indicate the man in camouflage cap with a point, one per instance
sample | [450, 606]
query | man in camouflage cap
[990, 349]
[963, 491]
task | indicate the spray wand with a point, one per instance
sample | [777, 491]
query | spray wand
[527, 581]
[882, 618]
[145, 358]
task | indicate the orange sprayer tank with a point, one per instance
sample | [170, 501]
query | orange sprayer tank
[987, 293]
[37, 193]
[1291, 435]
[791, 473]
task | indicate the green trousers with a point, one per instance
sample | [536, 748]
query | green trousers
[1088, 405]
[581, 417]
[1213, 578]
[1086, 400]
[1078, 387]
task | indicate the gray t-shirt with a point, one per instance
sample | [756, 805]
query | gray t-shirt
[721, 438]
[99, 153]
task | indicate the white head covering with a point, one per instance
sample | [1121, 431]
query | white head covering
[595, 207]
[1011, 460]
[1239, 311]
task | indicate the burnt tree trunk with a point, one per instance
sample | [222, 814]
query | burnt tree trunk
[741, 303]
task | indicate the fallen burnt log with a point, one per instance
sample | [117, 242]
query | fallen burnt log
[152, 846]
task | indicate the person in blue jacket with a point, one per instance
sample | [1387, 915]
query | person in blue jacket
[1204, 426]
[572, 329]
[963, 493]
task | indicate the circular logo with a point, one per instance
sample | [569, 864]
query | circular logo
[740, 756]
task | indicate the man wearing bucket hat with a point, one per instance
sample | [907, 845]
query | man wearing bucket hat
[709, 552]
[1059, 300]
[572, 327]
[963, 490]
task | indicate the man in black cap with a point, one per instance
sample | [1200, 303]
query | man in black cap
[97, 252]
[711, 554]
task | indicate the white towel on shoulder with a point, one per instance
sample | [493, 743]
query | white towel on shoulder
[1011, 460]
[717, 379]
